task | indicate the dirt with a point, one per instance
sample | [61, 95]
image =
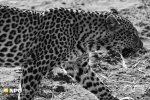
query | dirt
[133, 83]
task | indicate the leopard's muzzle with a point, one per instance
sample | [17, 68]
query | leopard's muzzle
[127, 52]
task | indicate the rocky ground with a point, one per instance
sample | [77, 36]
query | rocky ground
[133, 83]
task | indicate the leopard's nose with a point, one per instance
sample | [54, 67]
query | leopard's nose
[140, 44]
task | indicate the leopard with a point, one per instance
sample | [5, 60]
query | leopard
[38, 41]
[80, 71]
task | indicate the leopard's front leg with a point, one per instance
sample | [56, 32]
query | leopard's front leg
[85, 76]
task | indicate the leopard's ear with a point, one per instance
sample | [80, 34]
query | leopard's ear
[112, 23]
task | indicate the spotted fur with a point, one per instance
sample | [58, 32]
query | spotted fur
[81, 71]
[38, 41]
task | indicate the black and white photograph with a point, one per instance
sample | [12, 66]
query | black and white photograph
[74, 49]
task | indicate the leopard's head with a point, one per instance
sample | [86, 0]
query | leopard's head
[121, 36]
